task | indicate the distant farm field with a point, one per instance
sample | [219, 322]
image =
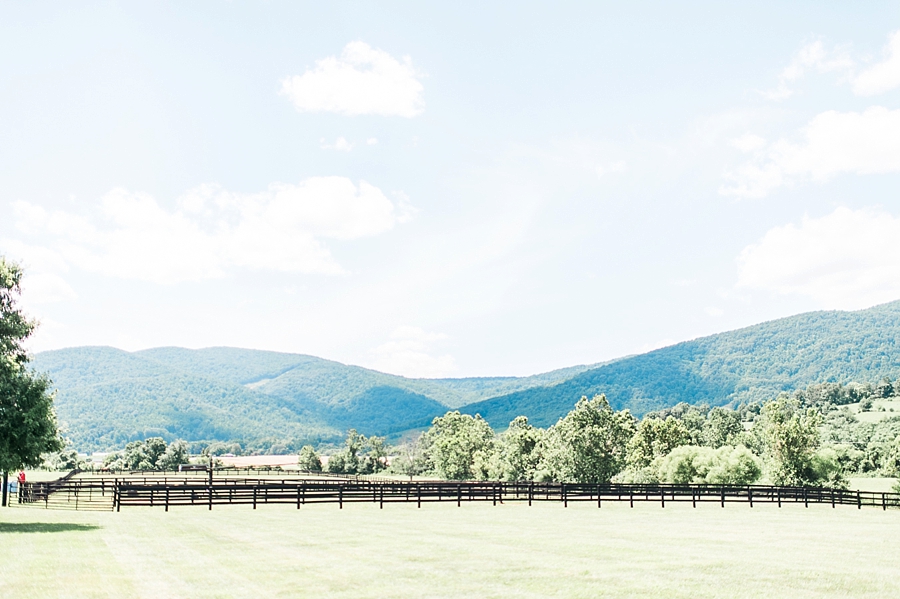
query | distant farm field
[444, 551]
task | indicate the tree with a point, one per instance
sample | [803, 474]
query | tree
[452, 442]
[377, 453]
[309, 460]
[722, 427]
[27, 420]
[520, 450]
[588, 444]
[705, 465]
[175, 455]
[347, 460]
[791, 439]
[411, 459]
[655, 438]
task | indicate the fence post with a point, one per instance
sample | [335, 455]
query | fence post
[381, 497]
[458, 495]
[778, 492]
[167, 498]
[565, 496]
[723, 496]
[530, 492]
[631, 497]
[341, 497]
[858, 501]
[750, 495]
[418, 495]
[254, 495]
[598, 495]
[805, 497]
[883, 502]
[662, 496]
[832, 498]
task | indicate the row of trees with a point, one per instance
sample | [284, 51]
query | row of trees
[359, 455]
[780, 441]
[151, 454]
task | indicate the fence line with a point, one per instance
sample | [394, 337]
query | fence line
[111, 493]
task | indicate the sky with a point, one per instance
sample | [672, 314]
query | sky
[446, 189]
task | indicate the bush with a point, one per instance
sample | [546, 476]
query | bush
[308, 459]
[705, 465]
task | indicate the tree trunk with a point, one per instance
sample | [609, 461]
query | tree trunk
[5, 488]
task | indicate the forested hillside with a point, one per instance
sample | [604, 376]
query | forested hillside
[270, 401]
[264, 400]
[749, 364]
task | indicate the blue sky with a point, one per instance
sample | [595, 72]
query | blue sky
[446, 189]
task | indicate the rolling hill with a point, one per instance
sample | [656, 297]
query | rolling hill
[753, 363]
[107, 397]
[270, 400]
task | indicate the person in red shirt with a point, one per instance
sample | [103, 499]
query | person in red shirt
[21, 477]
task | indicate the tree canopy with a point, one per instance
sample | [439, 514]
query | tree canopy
[27, 421]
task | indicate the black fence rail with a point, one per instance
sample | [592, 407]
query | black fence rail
[167, 491]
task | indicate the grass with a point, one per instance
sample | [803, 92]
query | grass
[444, 551]
[881, 409]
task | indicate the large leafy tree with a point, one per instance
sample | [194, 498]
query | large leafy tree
[27, 420]
[791, 438]
[655, 438]
[589, 444]
[454, 441]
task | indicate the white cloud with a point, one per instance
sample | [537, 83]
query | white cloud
[212, 232]
[832, 143]
[46, 288]
[748, 143]
[408, 353]
[363, 80]
[812, 56]
[340, 144]
[848, 259]
[371, 141]
[883, 76]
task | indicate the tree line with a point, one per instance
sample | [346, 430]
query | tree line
[809, 437]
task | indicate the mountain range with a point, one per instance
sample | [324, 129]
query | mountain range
[278, 401]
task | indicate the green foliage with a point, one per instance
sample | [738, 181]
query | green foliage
[175, 455]
[65, 459]
[589, 443]
[705, 465]
[309, 460]
[150, 454]
[655, 438]
[453, 442]
[520, 450]
[749, 365]
[360, 455]
[27, 421]
[410, 459]
[267, 401]
[722, 427]
[792, 437]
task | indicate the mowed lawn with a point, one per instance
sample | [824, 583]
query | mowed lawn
[443, 551]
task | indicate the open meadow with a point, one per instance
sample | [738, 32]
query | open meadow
[440, 550]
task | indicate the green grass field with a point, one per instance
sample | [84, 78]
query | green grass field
[444, 551]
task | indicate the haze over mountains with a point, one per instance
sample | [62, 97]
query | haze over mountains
[275, 401]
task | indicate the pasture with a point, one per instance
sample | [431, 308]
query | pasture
[440, 550]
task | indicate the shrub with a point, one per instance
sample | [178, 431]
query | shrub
[705, 465]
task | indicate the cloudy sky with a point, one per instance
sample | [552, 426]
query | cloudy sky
[446, 189]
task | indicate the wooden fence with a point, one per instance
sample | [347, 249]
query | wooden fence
[165, 491]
